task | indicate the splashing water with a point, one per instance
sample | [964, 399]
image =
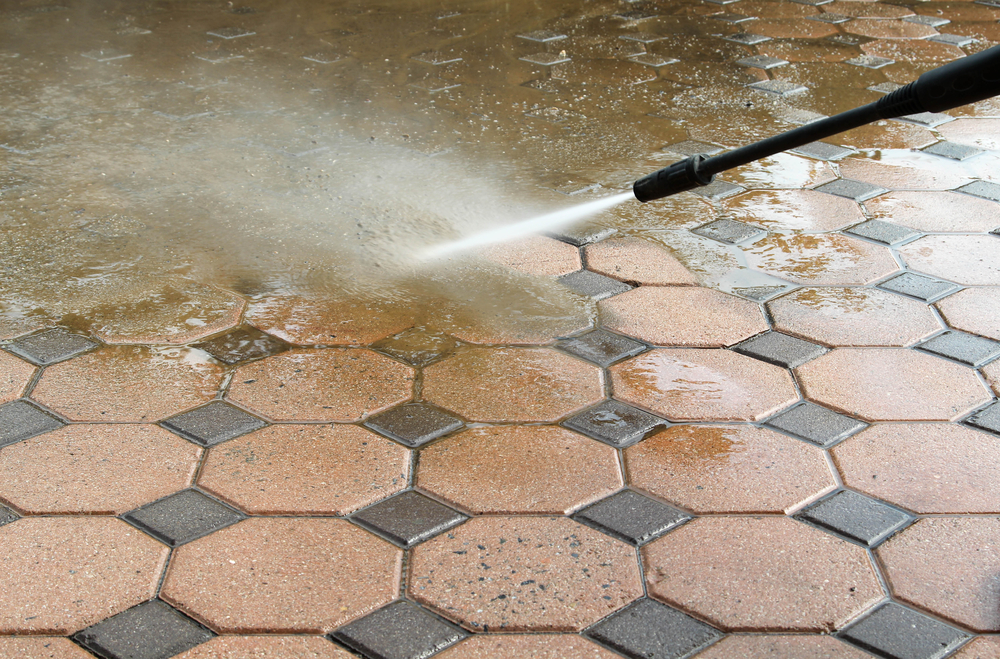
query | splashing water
[527, 227]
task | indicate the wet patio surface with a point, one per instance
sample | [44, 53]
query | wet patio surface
[239, 417]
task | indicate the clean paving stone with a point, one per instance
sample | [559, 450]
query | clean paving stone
[583, 234]
[970, 260]
[268, 646]
[632, 517]
[601, 347]
[615, 423]
[20, 420]
[932, 21]
[183, 517]
[928, 119]
[953, 39]
[593, 285]
[729, 231]
[922, 287]
[984, 189]
[151, 630]
[525, 646]
[7, 515]
[717, 190]
[634, 260]
[780, 349]
[41, 647]
[953, 150]
[987, 419]
[408, 518]
[212, 424]
[816, 424]
[401, 630]
[850, 189]
[783, 646]
[897, 632]
[886, 233]
[414, 424]
[651, 629]
[50, 346]
[969, 349]
[856, 517]
[823, 151]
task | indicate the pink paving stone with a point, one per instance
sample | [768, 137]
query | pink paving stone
[637, 260]
[537, 255]
[519, 469]
[283, 575]
[682, 316]
[335, 384]
[66, 573]
[888, 29]
[729, 469]
[503, 385]
[14, 324]
[41, 647]
[851, 316]
[829, 259]
[104, 469]
[510, 574]
[129, 383]
[783, 170]
[936, 211]
[925, 467]
[975, 310]
[305, 470]
[14, 376]
[761, 574]
[984, 647]
[318, 320]
[793, 28]
[948, 566]
[968, 260]
[805, 210]
[912, 50]
[266, 647]
[886, 134]
[703, 385]
[984, 133]
[992, 373]
[778, 646]
[900, 174]
[865, 9]
[891, 384]
[527, 646]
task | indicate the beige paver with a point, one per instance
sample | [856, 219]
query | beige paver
[888, 135]
[266, 647]
[536, 255]
[911, 50]
[14, 376]
[318, 320]
[984, 647]
[984, 132]
[802, 210]
[13, 325]
[888, 29]
[992, 373]
[637, 260]
[827, 259]
[974, 310]
[527, 646]
[781, 646]
[902, 174]
[41, 647]
[935, 211]
[967, 260]
[790, 28]
[866, 10]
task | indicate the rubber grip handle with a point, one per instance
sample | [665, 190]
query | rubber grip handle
[967, 80]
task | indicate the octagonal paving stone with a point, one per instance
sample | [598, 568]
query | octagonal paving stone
[535, 255]
[851, 316]
[519, 469]
[936, 211]
[283, 575]
[967, 260]
[781, 646]
[891, 384]
[514, 574]
[797, 210]
[975, 310]
[686, 316]
[305, 470]
[703, 385]
[917, 172]
[927, 467]
[527, 646]
[877, 28]
[636, 260]
[267, 647]
[66, 573]
[822, 259]
[128, 383]
[948, 566]
[711, 567]
[500, 385]
[335, 384]
[729, 469]
[984, 647]
[41, 647]
[14, 376]
[104, 469]
[982, 132]
[317, 320]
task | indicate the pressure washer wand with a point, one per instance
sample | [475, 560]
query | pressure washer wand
[967, 80]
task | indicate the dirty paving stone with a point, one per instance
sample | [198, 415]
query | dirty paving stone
[762, 62]
[932, 21]
[927, 119]
[897, 632]
[151, 630]
[781, 349]
[632, 517]
[823, 151]
[886, 233]
[601, 347]
[816, 424]
[242, 344]
[748, 39]
[593, 285]
[729, 231]
[408, 518]
[50, 346]
[580, 235]
[183, 517]
[213, 424]
[870, 61]
[969, 349]
[953, 150]
[856, 517]
[987, 419]
[21, 420]
[922, 287]
[414, 424]
[401, 630]
[829, 17]
[693, 148]
[779, 87]
[615, 423]
[850, 189]
[417, 346]
[649, 629]
[952, 39]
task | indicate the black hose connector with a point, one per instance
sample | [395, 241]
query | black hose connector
[679, 177]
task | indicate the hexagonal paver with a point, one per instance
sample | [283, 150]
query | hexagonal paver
[337, 384]
[497, 385]
[891, 384]
[927, 468]
[968, 260]
[41, 647]
[935, 211]
[949, 567]
[711, 567]
[267, 647]
[315, 320]
[519, 646]
[636, 260]
[729, 469]
[853, 316]
[975, 310]
[524, 574]
[824, 259]
[128, 383]
[533, 469]
[66, 573]
[779, 646]
[537, 312]
[703, 385]
[889, 29]
[96, 469]
[536, 255]
[283, 575]
[14, 376]
[683, 316]
[798, 210]
[306, 469]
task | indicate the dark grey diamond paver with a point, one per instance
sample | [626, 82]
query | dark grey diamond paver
[856, 517]
[953, 151]
[545, 59]
[885, 87]
[932, 21]
[928, 119]
[151, 630]
[693, 148]
[779, 87]
[414, 424]
[183, 517]
[734, 19]
[408, 518]
[242, 344]
[231, 33]
[542, 36]
[417, 346]
[650, 630]
[747, 38]
[761, 293]
[851, 189]
[969, 349]
[849, 39]
[886, 233]
[829, 17]
[717, 190]
[601, 347]
[996, 232]
[593, 285]
[989, 3]
[814, 3]
[653, 60]
[21, 420]
[615, 423]
[984, 189]
[870, 61]
[636, 15]
[642, 37]
[632, 517]
[919, 286]
[823, 151]
[953, 40]
[762, 62]
[401, 630]
[894, 631]
[816, 424]
[50, 346]
[781, 349]
[987, 419]
[583, 235]
[729, 231]
[213, 423]
[7, 515]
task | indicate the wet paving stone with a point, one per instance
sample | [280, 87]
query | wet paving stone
[593, 285]
[747, 38]
[436, 58]
[779, 87]
[414, 424]
[545, 59]
[583, 234]
[151, 630]
[933, 21]
[870, 61]
[761, 293]
[969, 349]
[816, 424]
[987, 419]
[231, 33]
[650, 629]
[849, 189]
[242, 344]
[642, 37]
[729, 231]
[886, 233]
[20, 420]
[50, 346]
[974, 310]
[984, 189]
[780, 349]
[823, 151]
[600, 347]
[542, 36]
[615, 423]
[408, 519]
[928, 119]
[631, 517]
[829, 17]
[856, 517]
[732, 18]
[762, 62]
[183, 517]
[897, 632]
[971, 260]
[953, 39]
[693, 148]
[417, 346]
[634, 260]
[213, 424]
[7, 515]
[536, 646]
[653, 60]
[402, 630]
[922, 287]
[106, 54]
[935, 211]
[953, 150]
[717, 190]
